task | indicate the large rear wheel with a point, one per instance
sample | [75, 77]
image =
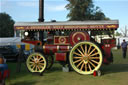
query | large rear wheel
[36, 63]
[85, 57]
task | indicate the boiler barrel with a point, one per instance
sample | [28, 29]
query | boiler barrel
[51, 49]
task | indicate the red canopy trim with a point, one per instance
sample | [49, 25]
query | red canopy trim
[69, 27]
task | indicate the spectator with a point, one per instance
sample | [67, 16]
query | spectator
[124, 48]
[4, 72]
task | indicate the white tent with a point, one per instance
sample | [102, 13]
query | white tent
[10, 41]
[120, 39]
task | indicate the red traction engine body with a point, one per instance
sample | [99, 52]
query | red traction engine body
[63, 44]
[73, 43]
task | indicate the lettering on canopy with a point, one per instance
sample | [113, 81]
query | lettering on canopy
[66, 27]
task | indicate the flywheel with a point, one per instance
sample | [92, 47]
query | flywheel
[78, 36]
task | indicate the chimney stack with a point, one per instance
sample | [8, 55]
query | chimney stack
[41, 11]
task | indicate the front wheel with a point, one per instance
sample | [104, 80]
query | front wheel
[36, 63]
[85, 57]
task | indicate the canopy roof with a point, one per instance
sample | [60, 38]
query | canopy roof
[68, 25]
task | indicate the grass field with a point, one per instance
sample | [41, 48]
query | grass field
[114, 74]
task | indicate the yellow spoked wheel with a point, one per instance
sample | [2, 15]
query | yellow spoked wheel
[36, 62]
[85, 57]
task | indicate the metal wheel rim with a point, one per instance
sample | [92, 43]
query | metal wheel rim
[85, 61]
[36, 62]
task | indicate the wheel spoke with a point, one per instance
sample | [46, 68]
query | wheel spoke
[94, 58]
[94, 54]
[34, 67]
[89, 67]
[38, 67]
[95, 61]
[79, 64]
[39, 58]
[31, 62]
[41, 66]
[92, 64]
[82, 66]
[41, 61]
[76, 57]
[81, 53]
[85, 67]
[82, 48]
[77, 61]
[35, 57]
[85, 53]
[92, 51]
[32, 59]
[89, 48]
[77, 54]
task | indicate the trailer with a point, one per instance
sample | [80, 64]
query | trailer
[73, 43]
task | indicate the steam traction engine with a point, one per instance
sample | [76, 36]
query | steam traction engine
[73, 42]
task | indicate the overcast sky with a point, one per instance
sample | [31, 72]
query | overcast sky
[27, 10]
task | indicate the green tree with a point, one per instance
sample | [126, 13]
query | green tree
[118, 33]
[6, 25]
[81, 10]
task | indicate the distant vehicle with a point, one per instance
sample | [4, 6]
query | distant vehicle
[9, 47]
[9, 52]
